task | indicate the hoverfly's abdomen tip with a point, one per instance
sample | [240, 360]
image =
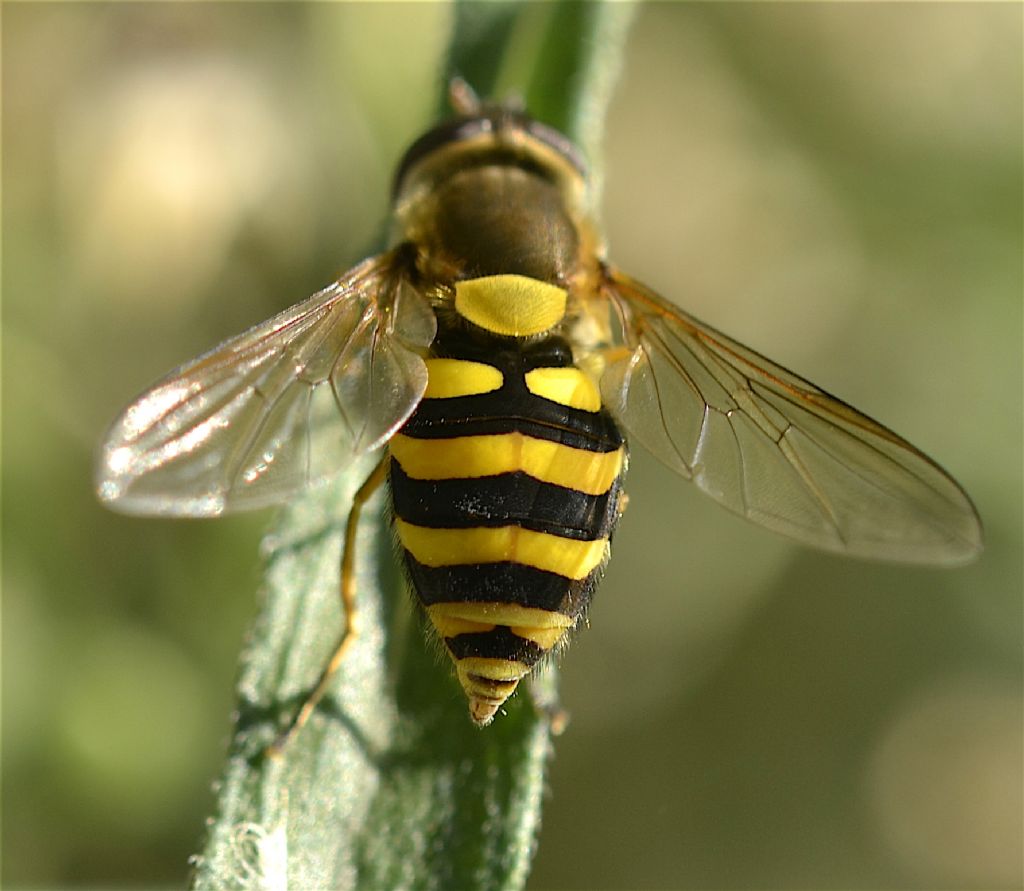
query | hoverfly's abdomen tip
[494, 646]
[482, 711]
[488, 683]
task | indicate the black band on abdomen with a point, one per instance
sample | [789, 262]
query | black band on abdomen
[499, 643]
[502, 500]
[513, 583]
[437, 419]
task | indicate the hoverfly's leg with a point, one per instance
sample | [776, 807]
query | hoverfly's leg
[350, 629]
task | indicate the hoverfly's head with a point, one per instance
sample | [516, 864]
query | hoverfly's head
[490, 133]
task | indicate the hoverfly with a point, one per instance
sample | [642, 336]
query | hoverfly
[500, 362]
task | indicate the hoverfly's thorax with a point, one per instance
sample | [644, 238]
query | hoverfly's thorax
[496, 219]
[493, 198]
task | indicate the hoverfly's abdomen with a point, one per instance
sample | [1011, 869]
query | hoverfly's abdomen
[506, 482]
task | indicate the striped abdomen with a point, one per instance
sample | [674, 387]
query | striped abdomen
[506, 483]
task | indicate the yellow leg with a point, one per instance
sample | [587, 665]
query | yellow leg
[350, 629]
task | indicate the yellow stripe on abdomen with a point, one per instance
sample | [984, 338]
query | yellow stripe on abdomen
[468, 457]
[510, 305]
[566, 386]
[544, 627]
[448, 378]
[504, 544]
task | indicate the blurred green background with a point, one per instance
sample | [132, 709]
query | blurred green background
[838, 185]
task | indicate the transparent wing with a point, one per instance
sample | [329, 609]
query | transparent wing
[288, 402]
[773, 447]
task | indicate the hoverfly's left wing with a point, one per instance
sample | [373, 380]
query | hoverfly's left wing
[290, 401]
[773, 447]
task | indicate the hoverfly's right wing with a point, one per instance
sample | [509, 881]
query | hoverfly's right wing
[292, 400]
[774, 448]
